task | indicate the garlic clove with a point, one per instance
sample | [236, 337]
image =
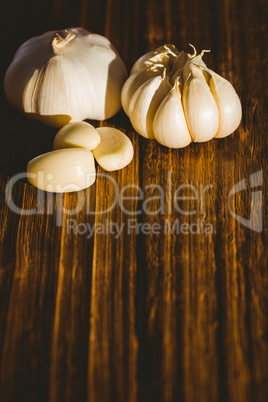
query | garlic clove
[228, 102]
[145, 102]
[200, 108]
[169, 125]
[63, 170]
[115, 150]
[133, 83]
[77, 134]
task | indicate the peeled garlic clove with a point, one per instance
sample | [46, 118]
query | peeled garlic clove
[77, 134]
[200, 109]
[228, 103]
[133, 83]
[66, 75]
[145, 102]
[115, 150]
[63, 170]
[169, 126]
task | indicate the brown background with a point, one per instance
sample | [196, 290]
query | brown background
[142, 317]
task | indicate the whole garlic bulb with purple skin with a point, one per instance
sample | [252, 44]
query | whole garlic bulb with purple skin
[67, 75]
[173, 97]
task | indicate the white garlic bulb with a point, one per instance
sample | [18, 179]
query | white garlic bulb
[64, 76]
[173, 97]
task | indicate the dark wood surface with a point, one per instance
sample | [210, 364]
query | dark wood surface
[142, 317]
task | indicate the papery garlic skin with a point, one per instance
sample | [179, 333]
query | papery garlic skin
[64, 76]
[159, 56]
[63, 170]
[194, 102]
[115, 150]
[78, 134]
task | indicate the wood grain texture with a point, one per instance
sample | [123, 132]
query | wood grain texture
[157, 316]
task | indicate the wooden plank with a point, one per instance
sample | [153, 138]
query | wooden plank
[26, 343]
[113, 343]
[180, 268]
[151, 314]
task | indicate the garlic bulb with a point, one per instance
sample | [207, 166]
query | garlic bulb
[64, 76]
[173, 97]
